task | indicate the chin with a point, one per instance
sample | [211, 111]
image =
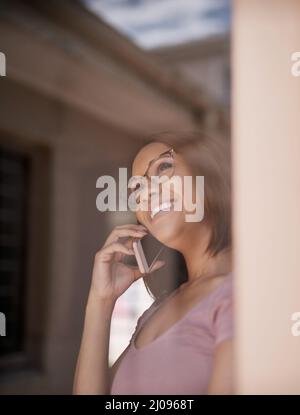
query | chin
[167, 229]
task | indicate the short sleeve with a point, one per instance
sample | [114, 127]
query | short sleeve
[223, 322]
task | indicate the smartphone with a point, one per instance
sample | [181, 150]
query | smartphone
[146, 250]
[140, 256]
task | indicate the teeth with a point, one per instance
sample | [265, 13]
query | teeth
[163, 206]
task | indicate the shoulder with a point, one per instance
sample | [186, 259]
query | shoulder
[225, 289]
[222, 310]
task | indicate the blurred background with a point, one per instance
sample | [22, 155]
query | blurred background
[85, 82]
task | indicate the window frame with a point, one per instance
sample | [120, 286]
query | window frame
[36, 258]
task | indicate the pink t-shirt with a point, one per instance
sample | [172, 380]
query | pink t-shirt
[179, 361]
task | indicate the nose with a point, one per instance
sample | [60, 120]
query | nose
[151, 192]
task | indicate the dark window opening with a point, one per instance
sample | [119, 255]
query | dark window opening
[14, 187]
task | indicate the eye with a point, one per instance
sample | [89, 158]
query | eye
[164, 166]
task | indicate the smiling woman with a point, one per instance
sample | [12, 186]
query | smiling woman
[209, 157]
[183, 342]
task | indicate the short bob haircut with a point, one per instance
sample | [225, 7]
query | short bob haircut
[208, 156]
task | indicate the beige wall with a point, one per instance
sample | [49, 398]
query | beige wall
[266, 170]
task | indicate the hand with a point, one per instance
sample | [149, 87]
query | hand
[111, 277]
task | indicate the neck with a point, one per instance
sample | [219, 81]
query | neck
[201, 264]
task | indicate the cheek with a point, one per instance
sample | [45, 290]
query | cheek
[188, 192]
[187, 187]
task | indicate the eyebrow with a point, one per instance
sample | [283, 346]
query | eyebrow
[155, 158]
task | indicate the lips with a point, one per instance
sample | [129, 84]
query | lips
[163, 207]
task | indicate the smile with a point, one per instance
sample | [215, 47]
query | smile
[161, 208]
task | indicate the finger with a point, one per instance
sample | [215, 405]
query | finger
[107, 253]
[131, 226]
[129, 244]
[137, 273]
[124, 232]
[158, 264]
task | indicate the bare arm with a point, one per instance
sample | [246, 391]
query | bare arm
[110, 279]
[92, 374]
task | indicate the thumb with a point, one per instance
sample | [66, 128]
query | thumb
[138, 274]
[158, 264]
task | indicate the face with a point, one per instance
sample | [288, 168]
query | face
[165, 225]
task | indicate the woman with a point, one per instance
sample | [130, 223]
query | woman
[183, 342]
